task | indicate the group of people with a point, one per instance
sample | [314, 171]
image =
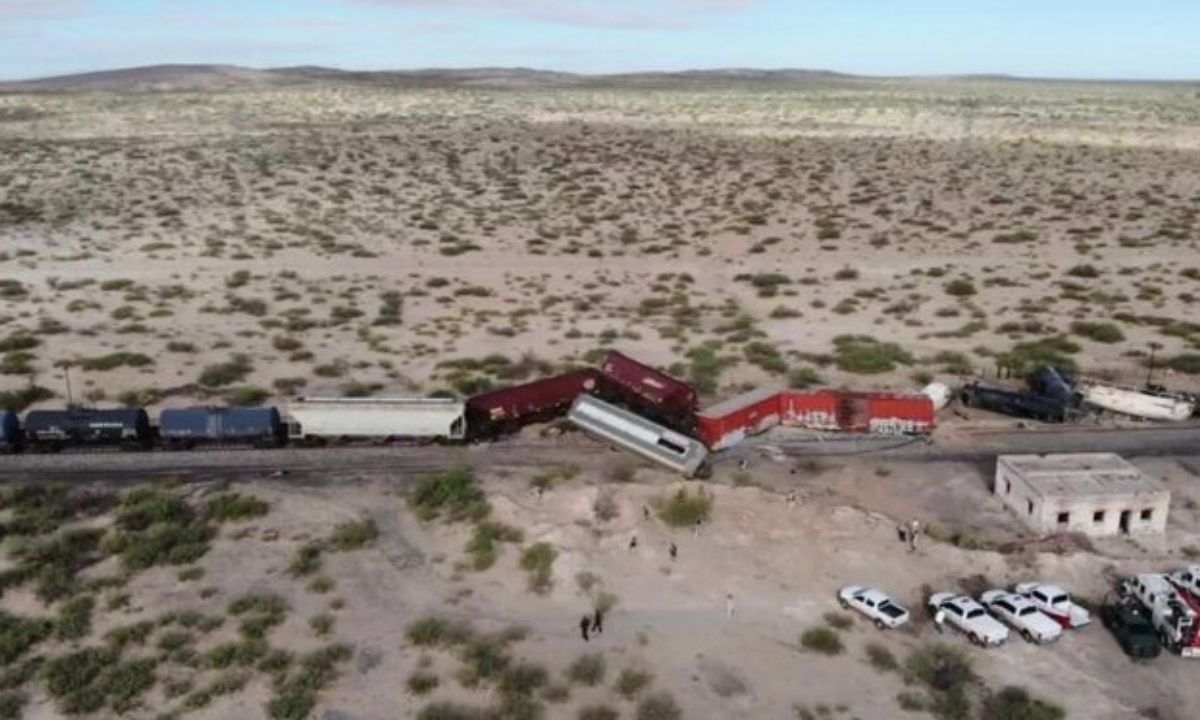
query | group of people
[593, 623]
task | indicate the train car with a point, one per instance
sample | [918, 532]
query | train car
[500, 412]
[885, 413]
[1022, 405]
[638, 435]
[52, 430]
[649, 392]
[318, 420]
[811, 409]
[730, 422]
[11, 440]
[1053, 383]
[183, 429]
[1135, 403]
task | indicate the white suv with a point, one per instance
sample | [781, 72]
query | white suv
[1055, 602]
[875, 604]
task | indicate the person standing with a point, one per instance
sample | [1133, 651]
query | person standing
[913, 531]
[939, 620]
[584, 623]
[729, 605]
[598, 621]
[633, 542]
[674, 551]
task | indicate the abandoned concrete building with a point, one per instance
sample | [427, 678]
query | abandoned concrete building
[1091, 493]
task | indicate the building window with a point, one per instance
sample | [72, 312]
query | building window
[1147, 513]
[1064, 518]
[1098, 516]
[1030, 506]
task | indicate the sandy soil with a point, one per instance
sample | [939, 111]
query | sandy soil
[542, 225]
[781, 563]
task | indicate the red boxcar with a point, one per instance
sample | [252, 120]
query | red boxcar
[649, 392]
[886, 414]
[509, 409]
[728, 423]
[816, 409]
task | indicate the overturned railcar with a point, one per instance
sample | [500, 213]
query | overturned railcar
[634, 433]
[649, 392]
[501, 412]
[186, 428]
[10, 433]
[52, 430]
[1016, 404]
[730, 422]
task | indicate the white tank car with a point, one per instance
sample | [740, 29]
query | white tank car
[1138, 404]
[939, 393]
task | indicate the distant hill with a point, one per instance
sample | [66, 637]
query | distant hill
[166, 78]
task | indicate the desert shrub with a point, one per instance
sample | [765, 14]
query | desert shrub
[1054, 351]
[421, 683]
[453, 711]
[353, 535]
[307, 560]
[181, 346]
[1084, 271]
[864, 355]
[765, 356]
[437, 632]
[631, 682]
[115, 360]
[484, 659]
[538, 561]
[11, 705]
[658, 706]
[226, 373]
[588, 669]
[18, 341]
[598, 712]
[523, 679]
[1015, 703]
[18, 635]
[246, 396]
[321, 624]
[945, 672]
[846, 273]
[482, 545]
[75, 618]
[1098, 331]
[134, 634]
[960, 287]
[86, 680]
[881, 658]
[452, 495]
[804, 377]
[1188, 363]
[822, 640]
[53, 563]
[17, 400]
[684, 509]
[296, 694]
[235, 506]
[240, 653]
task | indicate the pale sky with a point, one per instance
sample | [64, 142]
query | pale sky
[1134, 39]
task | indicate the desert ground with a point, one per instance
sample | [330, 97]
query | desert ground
[243, 238]
[459, 596]
[248, 240]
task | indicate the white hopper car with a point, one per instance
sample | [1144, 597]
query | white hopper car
[333, 419]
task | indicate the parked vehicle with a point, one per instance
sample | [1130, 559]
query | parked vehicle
[875, 604]
[1187, 580]
[1127, 621]
[728, 423]
[499, 412]
[1021, 615]
[1056, 603]
[53, 430]
[969, 618]
[1173, 614]
[183, 429]
[1015, 404]
[11, 440]
[649, 392]
[338, 419]
[638, 435]
[1136, 403]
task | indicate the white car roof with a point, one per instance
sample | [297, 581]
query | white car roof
[964, 602]
[872, 594]
[1045, 589]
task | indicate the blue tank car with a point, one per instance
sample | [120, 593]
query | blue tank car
[10, 433]
[51, 430]
[189, 427]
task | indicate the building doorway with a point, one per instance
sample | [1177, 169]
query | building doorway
[1125, 521]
